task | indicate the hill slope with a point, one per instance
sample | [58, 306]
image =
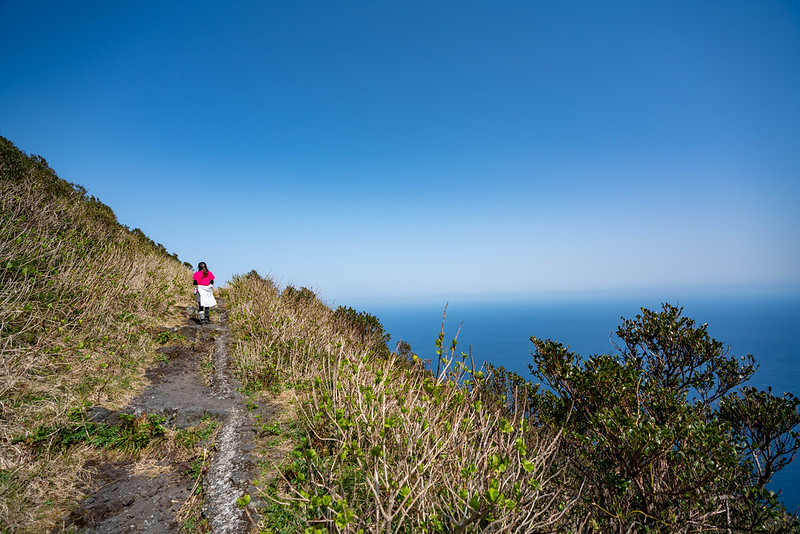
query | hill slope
[79, 297]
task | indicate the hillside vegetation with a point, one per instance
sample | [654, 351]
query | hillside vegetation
[382, 444]
[661, 437]
[79, 296]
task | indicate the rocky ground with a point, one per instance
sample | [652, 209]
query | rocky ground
[186, 388]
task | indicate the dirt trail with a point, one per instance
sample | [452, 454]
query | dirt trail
[124, 497]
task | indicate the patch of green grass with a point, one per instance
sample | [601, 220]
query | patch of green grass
[277, 518]
[131, 435]
[273, 429]
[5, 477]
[190, 437]
[195, 524]
[196, 468]
[169, 337]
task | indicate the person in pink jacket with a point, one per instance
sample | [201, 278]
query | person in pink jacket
[203, 281]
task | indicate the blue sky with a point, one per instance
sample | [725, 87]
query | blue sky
[431, 150]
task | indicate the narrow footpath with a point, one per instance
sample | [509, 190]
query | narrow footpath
[126, 496]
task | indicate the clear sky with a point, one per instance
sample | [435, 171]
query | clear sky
[422, 149]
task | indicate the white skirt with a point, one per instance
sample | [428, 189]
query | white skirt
[206, 296]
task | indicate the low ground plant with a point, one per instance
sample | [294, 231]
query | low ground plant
[130, 435]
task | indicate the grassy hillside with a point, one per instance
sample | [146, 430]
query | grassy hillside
[79, 297]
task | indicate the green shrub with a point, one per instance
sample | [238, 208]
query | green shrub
[659, 438]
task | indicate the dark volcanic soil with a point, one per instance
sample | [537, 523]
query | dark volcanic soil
[122, 500]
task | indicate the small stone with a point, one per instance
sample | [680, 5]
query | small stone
[98, 414]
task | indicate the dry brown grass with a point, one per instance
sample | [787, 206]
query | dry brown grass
[80, 296]
[276, 440]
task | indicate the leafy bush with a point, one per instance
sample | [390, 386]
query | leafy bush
[658, 437]
[367, 325]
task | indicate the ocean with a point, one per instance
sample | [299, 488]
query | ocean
[768, 327]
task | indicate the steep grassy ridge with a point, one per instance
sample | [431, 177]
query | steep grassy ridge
[79, 295]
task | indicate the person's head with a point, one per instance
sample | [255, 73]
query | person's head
[202, 267]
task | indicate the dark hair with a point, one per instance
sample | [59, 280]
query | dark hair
[202, 267]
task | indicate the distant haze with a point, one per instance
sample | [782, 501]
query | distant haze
[418, 149]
